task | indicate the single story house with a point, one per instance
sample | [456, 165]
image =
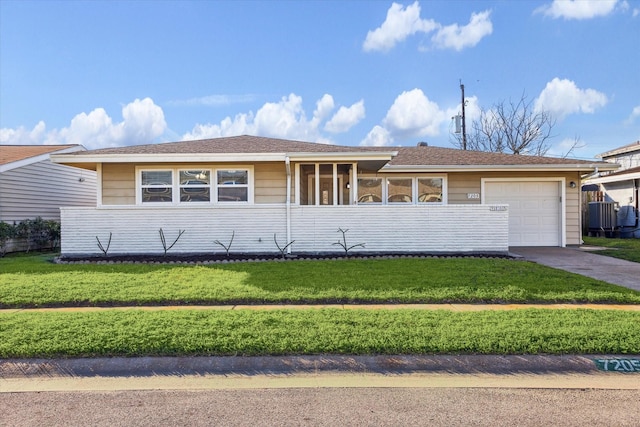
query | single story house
[31, 185]
[621, 187]
[267, 192]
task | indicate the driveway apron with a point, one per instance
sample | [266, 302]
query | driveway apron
[579, 261]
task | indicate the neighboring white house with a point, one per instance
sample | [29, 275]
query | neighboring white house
[621, 188]
[31, 185]
[393, 199]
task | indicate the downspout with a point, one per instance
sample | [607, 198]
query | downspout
[288, 202]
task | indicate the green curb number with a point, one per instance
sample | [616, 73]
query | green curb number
[618, 365]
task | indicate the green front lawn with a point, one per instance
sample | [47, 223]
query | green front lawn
[628, 249]
[327, 331]
[29, 281]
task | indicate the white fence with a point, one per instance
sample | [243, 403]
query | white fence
[432, 229]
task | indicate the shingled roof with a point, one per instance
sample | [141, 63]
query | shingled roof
[229, 145]
[440, 156]
[14, 153]
[405, 157]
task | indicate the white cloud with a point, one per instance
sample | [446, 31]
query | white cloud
[346, 118]
[377, 137]
[400, 23]
[284, 119]
[23, 136]
[413, 114]
[563, 97]
[403, 22]
[635, 114]
[578, 9]
[143, 122]
[324, 106]
[457, 37]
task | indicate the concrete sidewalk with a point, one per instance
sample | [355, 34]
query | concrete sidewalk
[580, 261]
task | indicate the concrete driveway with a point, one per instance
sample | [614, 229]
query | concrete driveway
[580, 261]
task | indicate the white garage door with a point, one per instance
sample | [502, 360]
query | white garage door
[534, 210]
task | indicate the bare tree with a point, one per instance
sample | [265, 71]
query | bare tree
[512, 127]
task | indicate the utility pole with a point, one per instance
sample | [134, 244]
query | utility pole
[464, 125]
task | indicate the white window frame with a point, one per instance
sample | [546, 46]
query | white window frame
[444, 190]
[382, 189]
[175, 187]
[139, 186]
[414, 189]
[196, 186]
[411, 193]
[249, 185]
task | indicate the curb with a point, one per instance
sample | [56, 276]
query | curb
[292, 365]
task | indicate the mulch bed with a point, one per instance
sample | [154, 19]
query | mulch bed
[221, 258]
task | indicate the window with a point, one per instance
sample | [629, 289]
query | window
[195, 186]
[157, 186]
[369, 190]
[184, 186]
[430, 190]
[399, 190]
[232, 185]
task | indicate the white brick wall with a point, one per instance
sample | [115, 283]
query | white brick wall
[449, 228]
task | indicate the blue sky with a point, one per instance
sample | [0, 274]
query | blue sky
[119, 73]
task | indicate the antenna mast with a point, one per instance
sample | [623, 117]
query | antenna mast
[464, 125]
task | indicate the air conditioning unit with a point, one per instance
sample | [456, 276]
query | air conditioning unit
[602, 216]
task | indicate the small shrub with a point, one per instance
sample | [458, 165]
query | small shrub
[7, 232]
[227, 248]
[343, 243]
[102, 248]
[164, 241]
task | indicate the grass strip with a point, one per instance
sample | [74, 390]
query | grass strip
[316, 331]
[628, 249]
[33, 281]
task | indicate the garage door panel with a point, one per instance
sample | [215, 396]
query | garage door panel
[534, 210]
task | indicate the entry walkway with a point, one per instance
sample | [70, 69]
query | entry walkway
[580, 261]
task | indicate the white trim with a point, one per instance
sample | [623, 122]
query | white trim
[563, 198]
[414, 188]
[249, 184]
[175, 187]
[335, 157]
[99, 185]
[619, 177]
[296, 183]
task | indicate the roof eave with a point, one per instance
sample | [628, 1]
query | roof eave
[222, 157]
[614, 178]
[501, 168]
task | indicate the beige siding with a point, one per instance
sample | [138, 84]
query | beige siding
[42, 188]
[270, 183]
[118, 184]
[118, 188]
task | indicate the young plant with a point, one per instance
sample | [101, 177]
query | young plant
[284, 248]
[102, 248]
[164, 241]
[227, 248]
[343, 243]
